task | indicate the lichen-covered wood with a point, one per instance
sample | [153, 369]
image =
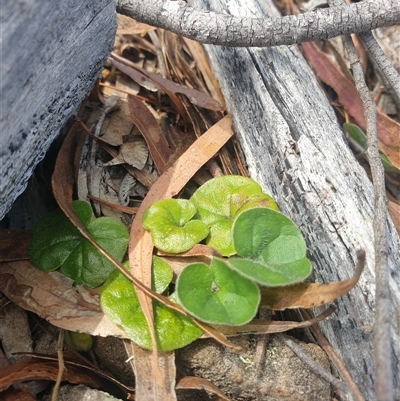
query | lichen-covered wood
[296, 150]
[51, 54]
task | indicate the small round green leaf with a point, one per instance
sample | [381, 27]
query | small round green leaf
[217, 294]
[220, 200]
[120, 303]
[272, 248]
[172, 230]
[57, 243]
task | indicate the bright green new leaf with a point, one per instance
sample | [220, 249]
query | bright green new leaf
[217, 294]
[220, 200]
[272, 248]
[172, 230]
[120, 303]
[57, 243]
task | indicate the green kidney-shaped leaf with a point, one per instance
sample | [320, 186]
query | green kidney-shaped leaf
[120, 303]
[172, 230]
[217, 294]
[220, 200]
[272, 248]
[57, 243]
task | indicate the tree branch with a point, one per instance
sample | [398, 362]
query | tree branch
[228, 30]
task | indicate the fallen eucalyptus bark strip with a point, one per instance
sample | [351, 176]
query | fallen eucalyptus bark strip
[228, 30]
[52, 297]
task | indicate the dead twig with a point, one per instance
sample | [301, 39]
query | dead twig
[317, 369]
[386, 70]
[333, 356]
[382, 351]
[61, 365]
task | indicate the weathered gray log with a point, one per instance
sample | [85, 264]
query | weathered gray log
[51, 54]
[296, 150]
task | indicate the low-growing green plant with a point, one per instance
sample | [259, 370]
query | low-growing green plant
[258, 246]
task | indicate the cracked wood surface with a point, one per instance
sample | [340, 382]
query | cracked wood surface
[296, 150]
[51, 54]
[209, 27]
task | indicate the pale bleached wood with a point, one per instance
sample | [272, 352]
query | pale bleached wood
[51, 54]
[295, 148]
[208, 27]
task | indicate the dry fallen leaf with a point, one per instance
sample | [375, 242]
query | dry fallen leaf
[45, 367]
[198, 383]
[151, 131]
[196, 97]
[327, 72]
[394, 211]
[135, 152]
[52, 297]
[309, 295]
[141, 246]
[270, 326]
[131, 70]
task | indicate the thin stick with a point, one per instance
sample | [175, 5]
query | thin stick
[314, 366]
[333, 356]
[382, 323]
[389, 74]
[61, 365]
